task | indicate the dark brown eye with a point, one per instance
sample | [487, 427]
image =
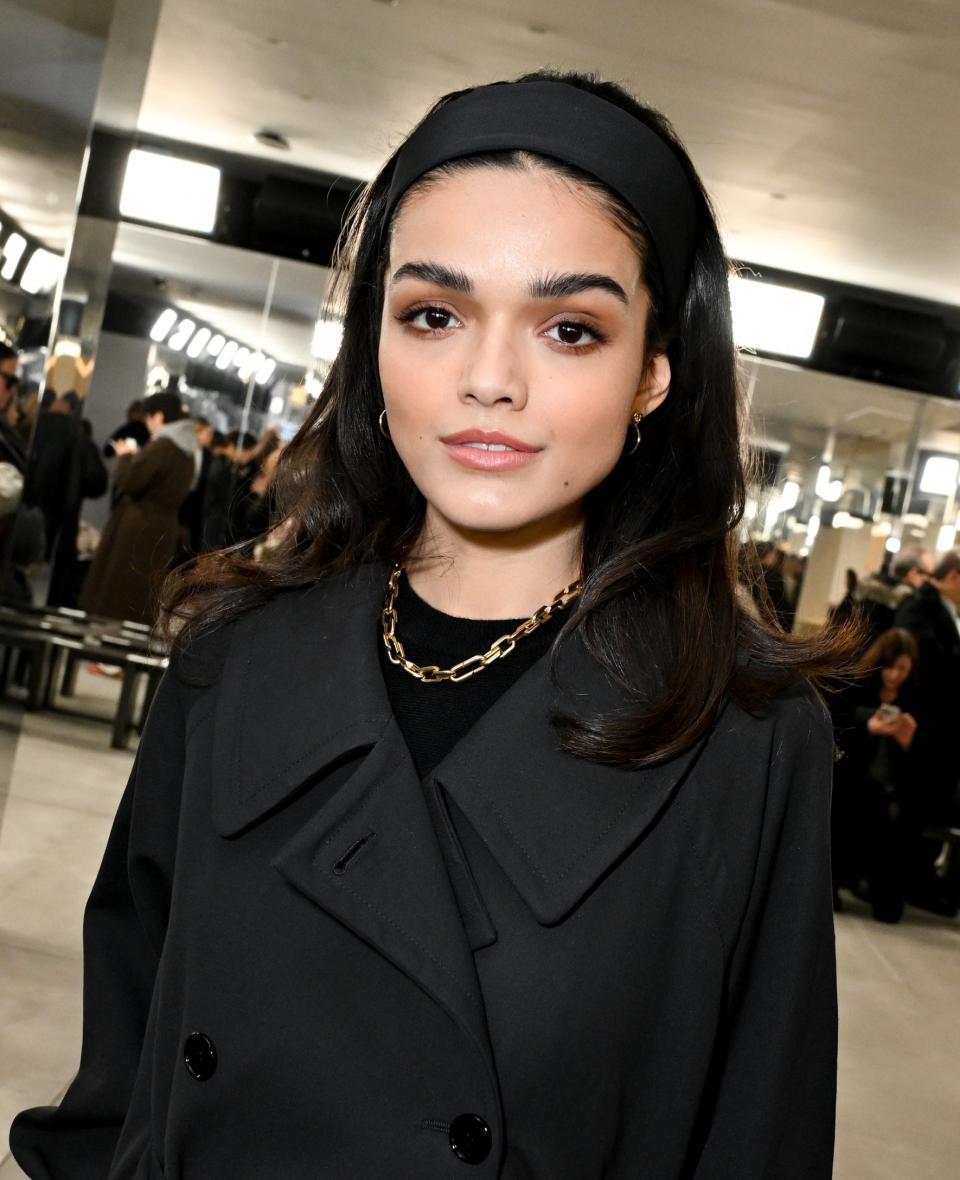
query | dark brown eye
[570, 333]
[435, 318]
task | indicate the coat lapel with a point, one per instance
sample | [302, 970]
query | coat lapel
[302, 690]
[556, 824]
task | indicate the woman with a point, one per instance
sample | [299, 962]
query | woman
[480, 828]
[875, 789]
[140, 539]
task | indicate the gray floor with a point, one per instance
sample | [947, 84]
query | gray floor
[899, 1106]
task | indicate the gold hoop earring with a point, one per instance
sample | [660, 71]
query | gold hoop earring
[635, 421]
[381, 421]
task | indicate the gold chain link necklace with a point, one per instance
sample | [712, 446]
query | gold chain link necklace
[430, 673]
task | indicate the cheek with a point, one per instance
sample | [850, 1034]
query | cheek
[410, 387]
[590, 423]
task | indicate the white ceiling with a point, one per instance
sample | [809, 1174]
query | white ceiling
[52, 50]
[827, 130]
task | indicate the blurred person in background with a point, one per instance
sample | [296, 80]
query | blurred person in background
[847, 607]
[930, 614]
[13, 447]
[880, 594]
[63, 469]
[876, 781]
[255, 512]
[221, 481]
[134, 427]
[87, 479]
[140, 539]
[28, 402]
[769, 583]
[191, 511]
[243, 509]
[13, 450]
[793, 572]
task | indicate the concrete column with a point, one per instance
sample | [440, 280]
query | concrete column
[834, 551]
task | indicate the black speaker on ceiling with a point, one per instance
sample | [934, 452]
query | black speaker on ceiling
[890, 345]
[304, 218]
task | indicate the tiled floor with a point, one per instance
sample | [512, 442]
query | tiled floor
[899, 1107]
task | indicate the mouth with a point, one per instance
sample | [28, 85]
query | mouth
[489, 450]
[488, 440]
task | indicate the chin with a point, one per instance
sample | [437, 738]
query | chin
[498, 516]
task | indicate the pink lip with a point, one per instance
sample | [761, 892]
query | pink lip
[518, 456]
[487, 436]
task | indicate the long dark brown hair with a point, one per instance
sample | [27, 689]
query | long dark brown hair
[662, 609]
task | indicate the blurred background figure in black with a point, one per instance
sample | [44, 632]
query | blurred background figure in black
[192, 510]
[65, 468]
[134, 427]
[769, 560]
[247, 511]
[847, 608]
[875, 784]
[880, 594]
[930, 614]
[221, 482]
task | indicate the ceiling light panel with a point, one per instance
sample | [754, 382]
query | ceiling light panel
[771, 318]
[12, 253]
[42, 272]
[169, 191]
[939, 476]
[163, 326]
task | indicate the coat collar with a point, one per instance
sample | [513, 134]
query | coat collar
[303, 688]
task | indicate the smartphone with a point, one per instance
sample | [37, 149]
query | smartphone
[888, 712]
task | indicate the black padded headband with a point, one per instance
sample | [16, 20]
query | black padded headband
[576, 127]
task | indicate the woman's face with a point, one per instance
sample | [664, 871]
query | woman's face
[896, 673]
[511, 347]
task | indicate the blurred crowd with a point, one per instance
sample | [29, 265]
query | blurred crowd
[896, 805]
[177, 488]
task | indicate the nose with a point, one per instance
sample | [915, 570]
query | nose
[493, 368]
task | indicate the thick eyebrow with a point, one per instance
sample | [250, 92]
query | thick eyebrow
[435, 273]
[544, 287]
[556, 286]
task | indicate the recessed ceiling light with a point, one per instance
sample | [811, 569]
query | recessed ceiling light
[272, 139]
[227, 354]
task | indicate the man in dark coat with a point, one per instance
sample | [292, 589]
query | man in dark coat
[303, 960]
[140, 539]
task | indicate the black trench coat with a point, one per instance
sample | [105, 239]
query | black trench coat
[616, 974]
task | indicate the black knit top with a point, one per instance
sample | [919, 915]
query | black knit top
[434, 717]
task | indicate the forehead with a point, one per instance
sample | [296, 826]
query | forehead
[484, 218]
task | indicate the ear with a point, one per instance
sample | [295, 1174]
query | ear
[656, 384]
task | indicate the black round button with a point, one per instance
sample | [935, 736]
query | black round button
[200, 1056]
[470, 1138]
